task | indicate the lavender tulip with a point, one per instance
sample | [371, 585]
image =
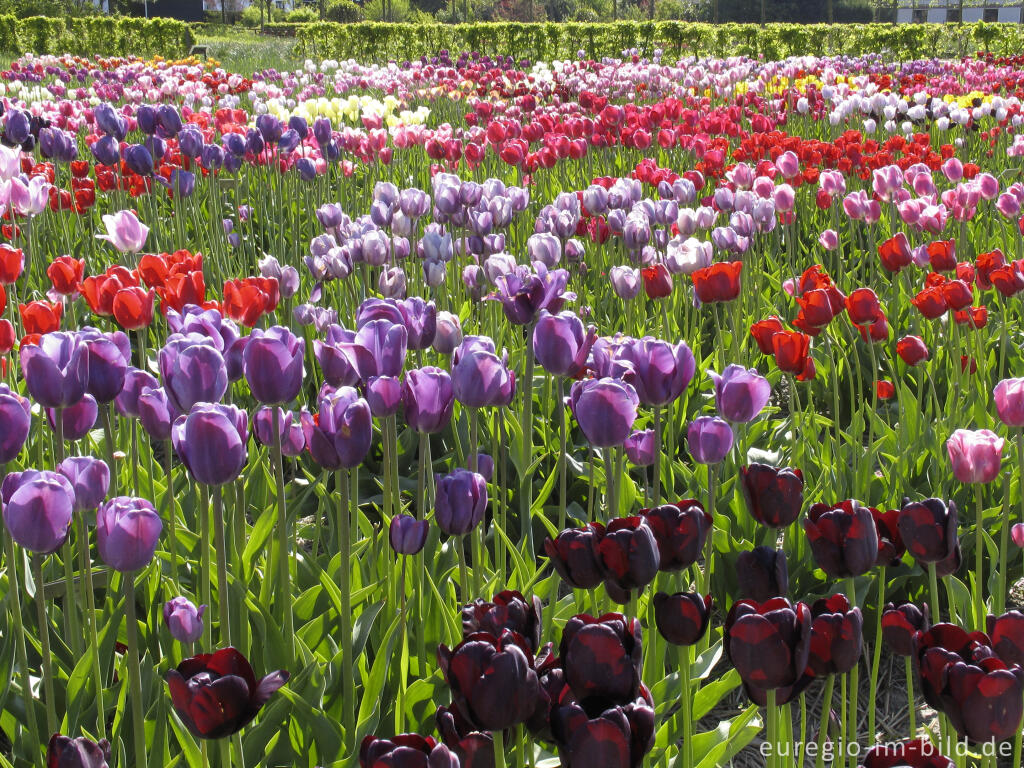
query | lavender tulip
[661, 370]
[56, 370]
[292, 439]
[740, 394]
[428, 396]
[336, 357]
[37, 509]
[125, 232]
[460, 502]
[15, 420]
[273, 365]
[479, 377]
[407, 535]
[561, 344]
[89, 478]
[449, 333]
[210, 441]
[420, 320]
[640, 448]
[127, 400]
[340, 434]
[184, 621]
[710, 439]
[76, 420]
[605, 409]
[193, 371]
[156, 414]
[108, 362]
[384, 395]
[127, 531]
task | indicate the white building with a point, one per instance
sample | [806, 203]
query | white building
[942, 11]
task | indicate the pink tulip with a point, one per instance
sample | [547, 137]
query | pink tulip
[125, 232]
[30, 199]
[829, 240]
[1009, 397]
[1017, 532]
[975, 454]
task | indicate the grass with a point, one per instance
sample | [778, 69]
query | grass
[245, 51]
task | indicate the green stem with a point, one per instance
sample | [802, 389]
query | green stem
[172, 518]
[656, 493]
[979, 560]
[854, 690]
[284, 576]
[499, 749]
[526, 488]
[134, 672]
[876, 655]
[562, 479]
[404, 646]
[684, 759]
[204, 535]
[908, 669]
[772, 716]
[225, 752]
[610, 476]
[999, 598]
[14, 593]
[222, 567]
[421, 568]
[67, 556]
[44, 642]
[85, 559]
[345, 569]
[933, 588]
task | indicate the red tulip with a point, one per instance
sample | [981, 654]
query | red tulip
[912, 350]
[862, 305]
[763, 330]
[942, 255]
[39, 317]
[657, 281]
[12, 261]
[7, 337]
[65, 274]
[99, 290]
[248, 299]
[791, 350]
[895, 253]
[182, 289]
[885, 389]
[931, 302]
[133, 308]
[719, 282]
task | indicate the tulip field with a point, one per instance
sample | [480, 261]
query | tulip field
[483, 413]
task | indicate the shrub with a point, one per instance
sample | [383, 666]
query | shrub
[300, 15]
[344, 12]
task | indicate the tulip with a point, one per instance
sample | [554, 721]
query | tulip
[56, 370]
[125, 232]
[492, 679]
[625, 282]
[109, 355]
[768, 643]
[1009, 397]
[662, 371]
[1007, 634]
[474, 749]
[975, 455]
[460, 501]
[184, 621]
[912, 350]
[15, 421]
[210, 441]
[340, 434]
[900, 623]
[156, 413]
[127, 400]
[680, 532]
[405, 749]
[843, 538]
[384, 395]
[719, 282]
[212, 709]
[929, 529]
[75, 420]
[273, 365]
[479, 377]
[919, 753]
[890, 543]
[640, 448]
[561, 344]
[449, 333]
[710, 439]
[127, 531]
[762, 574]
[37, 509]
[740, 394]
[574, 555]
[682, 618]
[602, 657]
[774, 495]
[605, 409]
[193, 371]
[65, 752]
[420, 319]
[407, 535]
[836, 636]
[618, 736]
[628, 554]
[508, 611]
[293, 440]
[428, 397]
[133, 308]
[89, 478]
[40, 317]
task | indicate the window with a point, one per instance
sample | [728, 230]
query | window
[991, 15]
[920, 16]
[954, 15]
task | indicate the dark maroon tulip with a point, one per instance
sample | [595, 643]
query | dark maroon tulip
[1007, 635]
[90, 479]
[127, 400]
[682, 618]
[900, 623]
[680, 531]
[628, 553]
[552, 685]
[273, 365]
[15, 420]
[210, 441]
[127, 532]
[509, 610]
[774, 495]
[762, 574]
[602, 658]
[216, 695]
[783, 695]
[950, 565]
[984, 700]
[65, 752]
[340, 434]
[193, 371]
[928, 529]
[605, 409]
[940, 647]
[836, 636]
[492, 679]
[56, 370]
[156, 414]
[574, 555]
[407, 535]
[37, 509]
[460, 501]
[768, 643]
[406, 750]
[843, 538]
[109, 354]
[475, 749]
[428, 397]
[615, 737]
[890, 543]
[76, 420]
[918, 753]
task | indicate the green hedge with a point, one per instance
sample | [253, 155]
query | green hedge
[370, 41]
[96, 35]
[283, 28]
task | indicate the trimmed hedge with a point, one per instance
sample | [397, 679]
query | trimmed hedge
[371, 41]
[96, 35]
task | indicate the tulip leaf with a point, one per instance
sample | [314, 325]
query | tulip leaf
[370, 705]
[708, 697]
[712, 748]
[363, 624]
[422, 696]
[704, 663]
[257, 540]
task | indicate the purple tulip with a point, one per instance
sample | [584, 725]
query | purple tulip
[15, 421]
[428, 397]
[561, 344]
[127, 531]
[449, 333]
[460, 502]
[710, 439]
[1009, 397]
[273, 365]
[384, 394]
[626, 282]
[479, 377]
[89, 478]
[184, 621]
[109, 354]
[156, 414]
[221, 331]
[340, 434]
[337, 358]
[38, 506]
[56, 370]
[605, 409]
[193, 371]
[76, 420]
[420, 320]
[975, 455]
[127, 400]
[640, 448]
[210, 441]
[292, 439]
[523, 294]
[740, 393]
[379, 348]
[661, 370]
[407, 535]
